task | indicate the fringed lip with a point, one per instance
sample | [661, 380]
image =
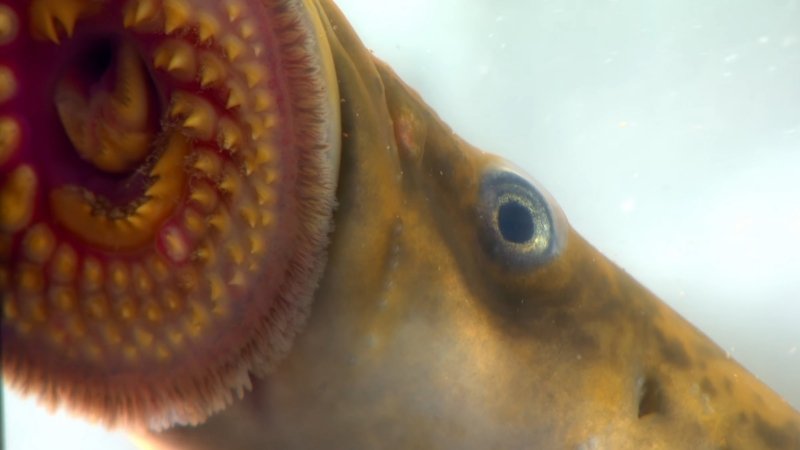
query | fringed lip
[168, 170]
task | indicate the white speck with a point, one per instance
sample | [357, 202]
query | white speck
[727, 74]
[772, 69]
[789, 41]
[793, 350]
[763, 39]
[731, 58]
[499, 19]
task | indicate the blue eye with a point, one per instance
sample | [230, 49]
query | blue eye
[520, 225]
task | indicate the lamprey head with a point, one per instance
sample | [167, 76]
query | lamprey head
[167, 191]
[167, 177]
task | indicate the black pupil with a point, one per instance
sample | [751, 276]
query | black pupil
[515, 222]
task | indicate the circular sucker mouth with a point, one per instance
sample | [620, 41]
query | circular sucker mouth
[167, 181]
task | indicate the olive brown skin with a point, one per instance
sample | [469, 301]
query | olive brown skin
[440, 322]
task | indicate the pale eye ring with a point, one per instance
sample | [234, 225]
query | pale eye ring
[520, 225]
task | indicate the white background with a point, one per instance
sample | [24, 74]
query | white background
[669, 131]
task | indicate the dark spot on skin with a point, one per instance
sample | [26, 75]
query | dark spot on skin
[728, 385]
[775, 437]
[651, 397]
[743, 419]
[673, 351]
[515, 222]
[708, 387]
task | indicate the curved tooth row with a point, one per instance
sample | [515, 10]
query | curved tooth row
[49, 17]
[95, 327]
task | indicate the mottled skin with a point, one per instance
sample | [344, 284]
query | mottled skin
[421, 337]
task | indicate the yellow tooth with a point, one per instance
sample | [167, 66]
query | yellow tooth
[64, 298]
[257, 243]
[10, 136]
[153, 312]
[176, 338]
[8, 84]
[39, 243]
[247, 29]
[118, 273]
[189, 280]
[177, 14]
[234, 9]
[264, 154]
[10, 309]
[256, 125]
[142, 281]
[139, 13]
[178, 58]
[269, 121]
[216, 287]
[236, 95]
[92, 274]
[207, 26]
[112, 335]
[194, 222]
[30, 279]
[143, 337]
[130, 353]
[238, 279]
[204, 196]
[96, 306]
[208, 163]
[221, 222]
[172, 299]
[158, 268]
[230, 136]
[212, 70]
[17, 196]
[258, 49]
[267, 218]
[198, 114]
[236, 253]
[253, 73]
[46, 16]
[205, 255]
[65, 264]
[231, 181]
[9, 24]
[93, 352]
[263, 100]
[264, 193]
[126, 307]
[250, 215]
[233, 46]
[198, 321]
